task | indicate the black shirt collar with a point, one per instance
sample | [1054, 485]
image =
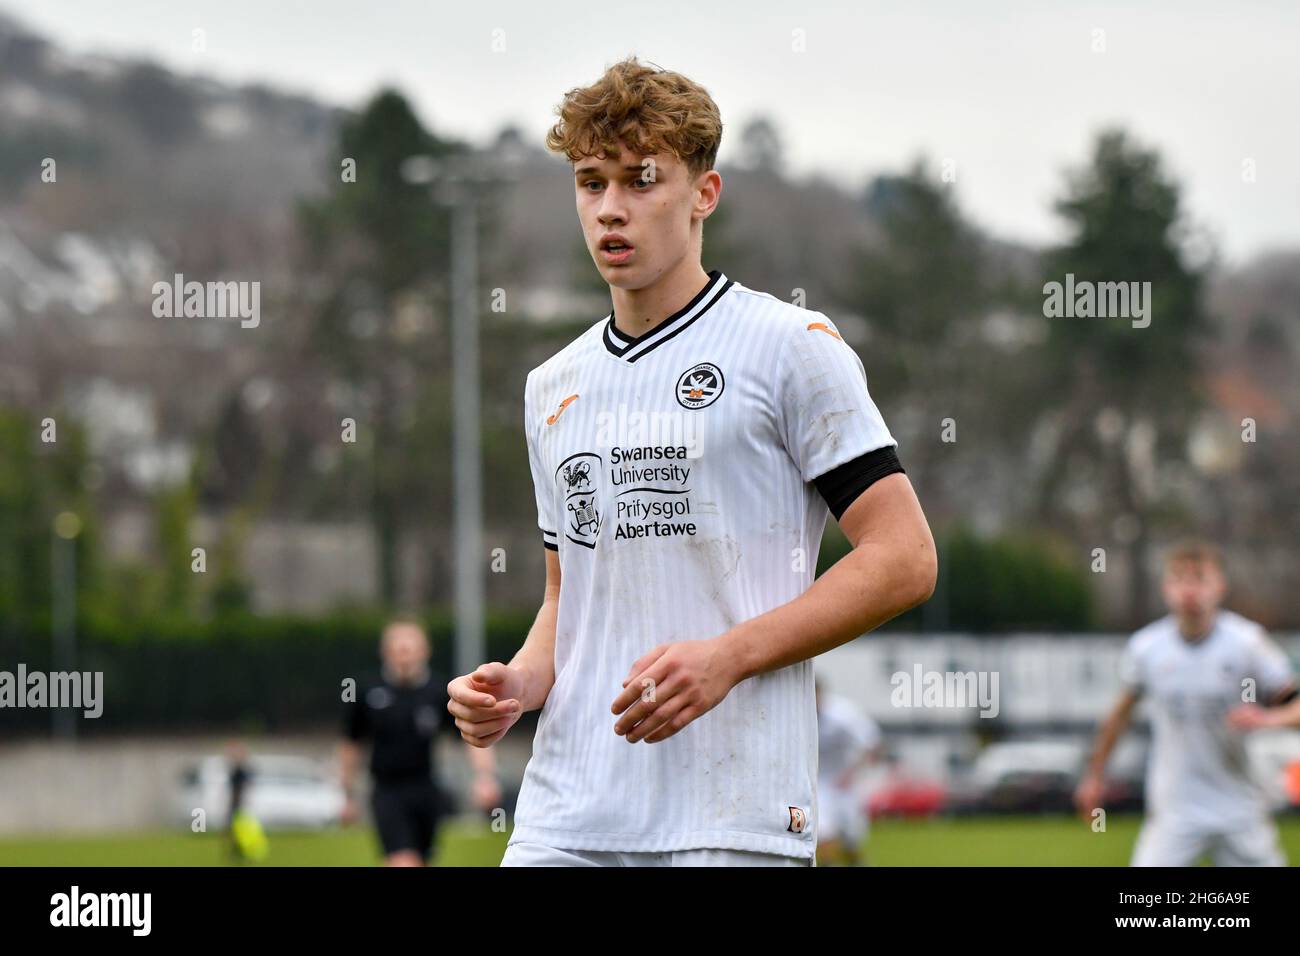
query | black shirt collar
[631, 348]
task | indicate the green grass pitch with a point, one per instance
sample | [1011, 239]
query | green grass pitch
[984, 841]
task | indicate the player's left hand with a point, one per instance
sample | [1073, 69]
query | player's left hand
[669, 687]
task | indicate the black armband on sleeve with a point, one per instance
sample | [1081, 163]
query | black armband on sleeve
[1287, 695]
[841, 486]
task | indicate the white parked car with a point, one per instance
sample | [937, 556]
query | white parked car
[1000, 762]
[283, 792]
[1039, 776]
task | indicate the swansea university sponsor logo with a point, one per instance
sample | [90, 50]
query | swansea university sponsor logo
[578, 478]
[652, 492]
[700, 385]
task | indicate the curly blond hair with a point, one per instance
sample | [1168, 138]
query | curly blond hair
[645, 108]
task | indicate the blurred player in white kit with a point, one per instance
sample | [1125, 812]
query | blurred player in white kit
[847, 742]
[1196, 666]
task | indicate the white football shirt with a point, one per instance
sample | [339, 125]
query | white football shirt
[673, 474]
[1198, 772]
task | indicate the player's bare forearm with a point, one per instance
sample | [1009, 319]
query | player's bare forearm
[1283, 710]
[481, 759]
[536, 659]
[349, 760]
[1287, 715]
[869, 758]
[861, 763]
[487, 702]
[1112, 729]
[891, 568]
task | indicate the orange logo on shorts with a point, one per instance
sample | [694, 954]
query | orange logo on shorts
[798, 820]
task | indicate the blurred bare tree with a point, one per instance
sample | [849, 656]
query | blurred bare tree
[377, 257]
[1122, 398]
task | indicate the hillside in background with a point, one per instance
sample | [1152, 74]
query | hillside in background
[159, 174]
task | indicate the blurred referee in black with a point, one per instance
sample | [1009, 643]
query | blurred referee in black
[399, 712]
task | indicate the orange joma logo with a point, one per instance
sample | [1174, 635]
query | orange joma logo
[798, 820]
[823, 327]
[560, 411]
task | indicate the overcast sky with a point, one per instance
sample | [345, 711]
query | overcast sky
[1009, 92]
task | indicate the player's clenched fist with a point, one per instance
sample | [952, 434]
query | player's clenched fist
[486, 703]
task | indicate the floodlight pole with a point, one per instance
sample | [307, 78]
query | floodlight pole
[467, 472]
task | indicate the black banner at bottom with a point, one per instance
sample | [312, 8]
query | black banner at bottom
[334, 906]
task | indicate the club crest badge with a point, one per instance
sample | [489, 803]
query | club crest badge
[700, 386]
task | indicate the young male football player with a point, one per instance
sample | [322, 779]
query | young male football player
[1195, 666]
[685, 451]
